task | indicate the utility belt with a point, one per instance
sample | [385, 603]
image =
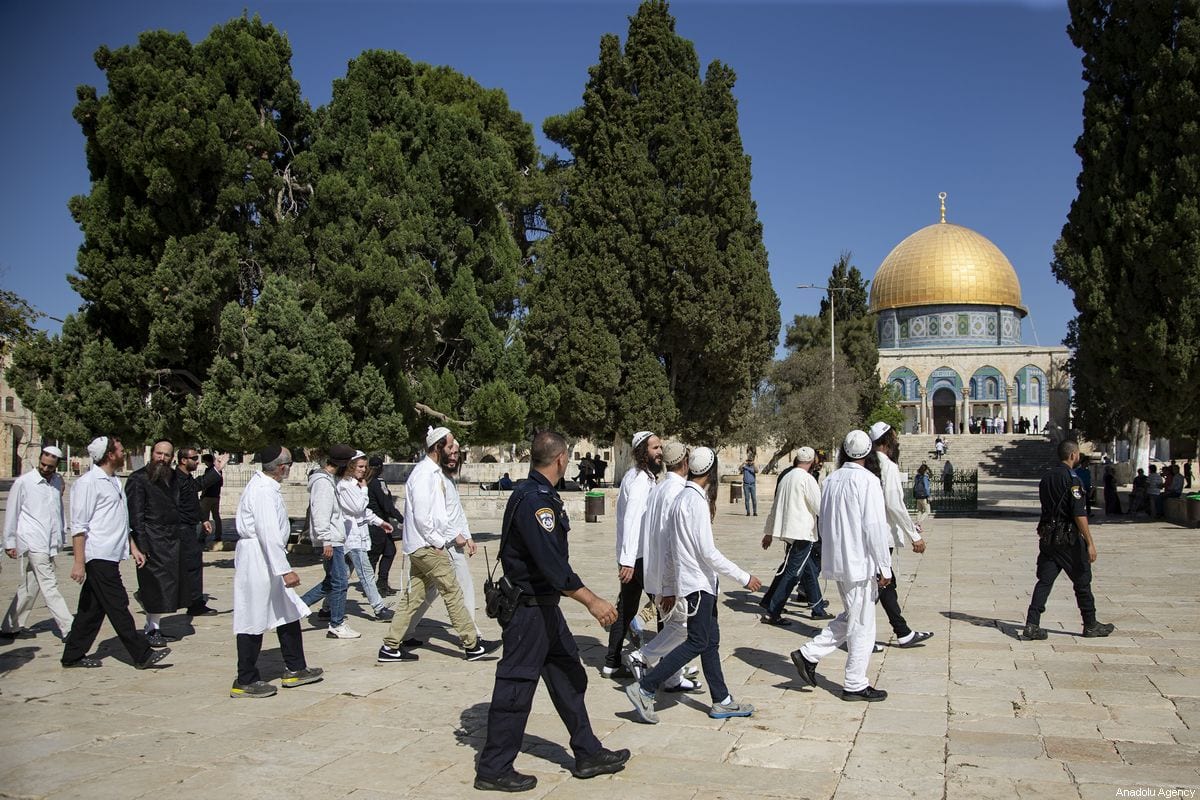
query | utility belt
[540, 599]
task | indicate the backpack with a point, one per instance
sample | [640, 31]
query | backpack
[921, 487]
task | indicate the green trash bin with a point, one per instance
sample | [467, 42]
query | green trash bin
[593, 506]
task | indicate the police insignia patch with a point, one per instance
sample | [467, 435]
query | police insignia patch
[1077, 492]
[545, 518]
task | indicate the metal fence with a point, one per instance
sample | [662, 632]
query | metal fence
[962, 497]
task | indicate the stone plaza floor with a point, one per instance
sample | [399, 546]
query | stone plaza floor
[974, 713]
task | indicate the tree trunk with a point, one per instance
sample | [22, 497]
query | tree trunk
[1139, 446]
[780, 453]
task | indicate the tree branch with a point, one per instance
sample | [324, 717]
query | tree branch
[426, 410]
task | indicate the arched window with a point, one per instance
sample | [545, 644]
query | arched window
[1035, 390]
[974, 390]
[898, 386]
[990, 388]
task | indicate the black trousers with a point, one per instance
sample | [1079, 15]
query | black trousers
[191, 565]
[382, 554]
[891, 607]
[537, 644]
[103, 595]
[1072, 560]
[249, 645]
[628, 603]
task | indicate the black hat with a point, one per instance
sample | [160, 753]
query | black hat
[268, 454]
[375, 462]
[340, 455]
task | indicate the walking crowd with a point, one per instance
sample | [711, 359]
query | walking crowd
[849, 529]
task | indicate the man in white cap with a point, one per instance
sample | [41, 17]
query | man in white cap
[100, 541]
[903, 530]
[854, 552]
[264, 582]
[793, 520]
[699, 563]
[631, 505]
[428, 532]
[659, 569]
[33, 532]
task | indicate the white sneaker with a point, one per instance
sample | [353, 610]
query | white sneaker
[342, 631]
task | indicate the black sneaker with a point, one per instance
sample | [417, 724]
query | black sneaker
[302, 677]
[385, 590]
[604, 762]
[87, 662]
[806, 668]
[618, 673]
[916, 639]
[202, 611]
[156, 639]
[154, 657]
[482, 648]
[252, 691]
[767, 619]
[1033, 632]
[821, 614]
[324, 614]
[1098, 630]
[512, 782]
[869, 695]
[393, 655]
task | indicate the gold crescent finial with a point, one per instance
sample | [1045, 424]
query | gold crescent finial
[942, 197]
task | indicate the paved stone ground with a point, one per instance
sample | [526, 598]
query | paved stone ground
[976, 713]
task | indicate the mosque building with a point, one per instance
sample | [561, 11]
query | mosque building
[949, 310]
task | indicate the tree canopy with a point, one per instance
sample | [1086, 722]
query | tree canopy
[651, 301]
[1130, 249]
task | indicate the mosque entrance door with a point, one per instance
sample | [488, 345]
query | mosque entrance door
[943, 410]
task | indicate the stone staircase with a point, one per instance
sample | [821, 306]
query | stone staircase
[995, 455]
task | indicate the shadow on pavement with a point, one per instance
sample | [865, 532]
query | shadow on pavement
[1007, 627]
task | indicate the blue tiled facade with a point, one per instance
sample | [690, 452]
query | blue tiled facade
[950, 326]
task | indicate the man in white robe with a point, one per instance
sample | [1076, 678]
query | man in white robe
[854, 552]
[264, 582]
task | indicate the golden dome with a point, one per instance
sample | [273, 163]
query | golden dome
[945, 264]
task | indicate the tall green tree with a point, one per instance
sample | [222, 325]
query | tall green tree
[414, 229]
[1130, 249]
[651, 301]
[193, 155]
[16, 320]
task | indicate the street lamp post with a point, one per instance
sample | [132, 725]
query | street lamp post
[832, 313]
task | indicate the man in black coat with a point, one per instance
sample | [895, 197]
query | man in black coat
[154, 523]
[383, 547]
[192, 531]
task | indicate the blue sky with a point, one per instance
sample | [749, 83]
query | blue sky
[855, 114]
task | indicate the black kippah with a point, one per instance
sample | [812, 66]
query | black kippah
[268, 454]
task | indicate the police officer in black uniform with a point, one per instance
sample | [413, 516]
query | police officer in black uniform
[1061, 495]
[537, 642]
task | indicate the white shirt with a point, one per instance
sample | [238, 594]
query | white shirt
[262, 515]
[98, 510]
[426, 508]
[454, 508]
[793, 516]
[698, 559]
[853, 525]
[658, 556]
[33, 522]
[899, 522]
[631, 505]
[356, 516]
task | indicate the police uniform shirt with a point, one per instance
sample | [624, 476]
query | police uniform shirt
[535, 549]
[1061, 494]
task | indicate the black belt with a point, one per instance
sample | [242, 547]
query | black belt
[540, 600]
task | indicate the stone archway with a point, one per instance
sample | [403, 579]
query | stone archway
[944, 402]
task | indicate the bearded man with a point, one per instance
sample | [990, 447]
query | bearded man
[154, 524]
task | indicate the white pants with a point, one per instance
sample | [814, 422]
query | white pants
[855, 626]
[37, 572]
[462, 573]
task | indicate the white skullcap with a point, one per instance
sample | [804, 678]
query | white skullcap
[54, 451]
[806, 455]
[701, 460]
[879, 429]
[98, 447]
[640, 437]
[434, 435]
[857, 444]
[358, 454]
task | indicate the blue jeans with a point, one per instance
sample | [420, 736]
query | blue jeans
[749, 497]
[337, 580]
[703, 640]
[366, 576]
[798, 567]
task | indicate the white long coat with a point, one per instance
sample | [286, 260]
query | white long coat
[260, 600]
